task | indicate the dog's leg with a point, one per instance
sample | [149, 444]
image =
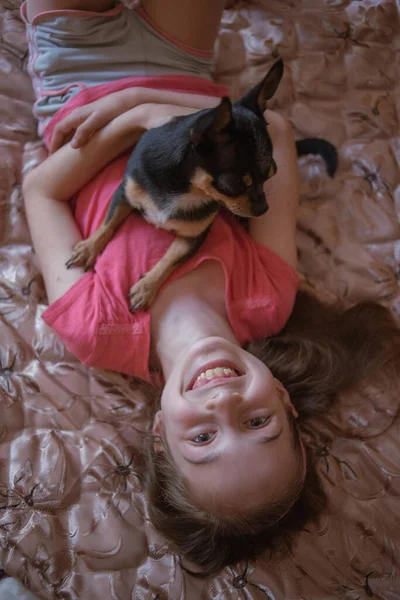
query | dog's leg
[85, 252]
[143, 292]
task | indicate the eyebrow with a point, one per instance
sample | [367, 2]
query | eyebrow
[215, 453]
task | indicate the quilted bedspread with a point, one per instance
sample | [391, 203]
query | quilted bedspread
[70, 524]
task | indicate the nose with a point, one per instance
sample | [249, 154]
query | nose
[259, 209]
[223, 399]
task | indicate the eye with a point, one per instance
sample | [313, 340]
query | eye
[248, 180]
[230, 184]
[257, 422]
[203, 438]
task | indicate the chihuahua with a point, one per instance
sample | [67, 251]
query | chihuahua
[181, 174]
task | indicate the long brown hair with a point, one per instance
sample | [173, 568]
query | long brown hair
[324, 350]
[321, 352]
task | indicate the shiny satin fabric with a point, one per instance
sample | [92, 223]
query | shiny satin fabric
[72, 510]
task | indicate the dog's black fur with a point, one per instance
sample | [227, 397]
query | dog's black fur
[180, 174]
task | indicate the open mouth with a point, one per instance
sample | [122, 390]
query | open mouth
[214, 372]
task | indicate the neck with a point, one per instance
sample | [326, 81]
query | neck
[181, 319]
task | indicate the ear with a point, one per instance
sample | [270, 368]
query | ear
[213, 120]
[284, 394]
[157, 428]
[256, 98]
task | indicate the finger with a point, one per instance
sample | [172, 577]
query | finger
[57, 139]
[65, 128]
[85, 130]
[67, 138]
[60, 132]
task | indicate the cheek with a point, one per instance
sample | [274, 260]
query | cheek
[170, 395]
[263, 376]
[265, 387]
[177, 414]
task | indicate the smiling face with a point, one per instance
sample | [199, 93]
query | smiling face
[225, 419]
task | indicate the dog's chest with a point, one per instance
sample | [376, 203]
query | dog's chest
[184, 214]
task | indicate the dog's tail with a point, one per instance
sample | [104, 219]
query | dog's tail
[321, 147]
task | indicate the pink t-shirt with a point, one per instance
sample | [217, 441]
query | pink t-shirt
[92, 318]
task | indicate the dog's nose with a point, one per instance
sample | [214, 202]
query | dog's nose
[259, 209]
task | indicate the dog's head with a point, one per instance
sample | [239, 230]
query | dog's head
[235, 150]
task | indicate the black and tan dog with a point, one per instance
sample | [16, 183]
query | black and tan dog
[180, 175]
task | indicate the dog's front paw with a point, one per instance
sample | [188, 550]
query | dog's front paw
[84, 255]
[141, 294]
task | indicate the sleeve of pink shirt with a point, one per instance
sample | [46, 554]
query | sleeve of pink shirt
[75, 319]
[284, 281]
[81, 320]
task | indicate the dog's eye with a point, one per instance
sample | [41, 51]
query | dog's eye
[248, 180]
[230, 184]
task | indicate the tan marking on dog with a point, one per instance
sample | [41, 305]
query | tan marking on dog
[140, 199]
[190, 200]
[106, 231]
[202, 183]
[189, 228]
[144, 290]
[86, 251]
[248, 180]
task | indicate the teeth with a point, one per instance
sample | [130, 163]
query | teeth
[217, 372]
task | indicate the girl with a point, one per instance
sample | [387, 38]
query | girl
[226, 465]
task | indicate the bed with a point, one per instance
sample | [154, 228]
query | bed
[70, 497]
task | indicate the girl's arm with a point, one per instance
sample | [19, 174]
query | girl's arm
[64, 173]
[47, 188]
[277, 228]
[54, 231]
[84, 121]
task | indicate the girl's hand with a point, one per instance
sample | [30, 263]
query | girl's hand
[79, 126]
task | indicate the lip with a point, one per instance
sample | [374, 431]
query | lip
[216, 382]
[212, 365]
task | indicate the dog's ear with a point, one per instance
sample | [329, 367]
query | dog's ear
[212, 121]
[256, 98]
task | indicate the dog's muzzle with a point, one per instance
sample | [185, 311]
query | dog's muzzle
[259, 208]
